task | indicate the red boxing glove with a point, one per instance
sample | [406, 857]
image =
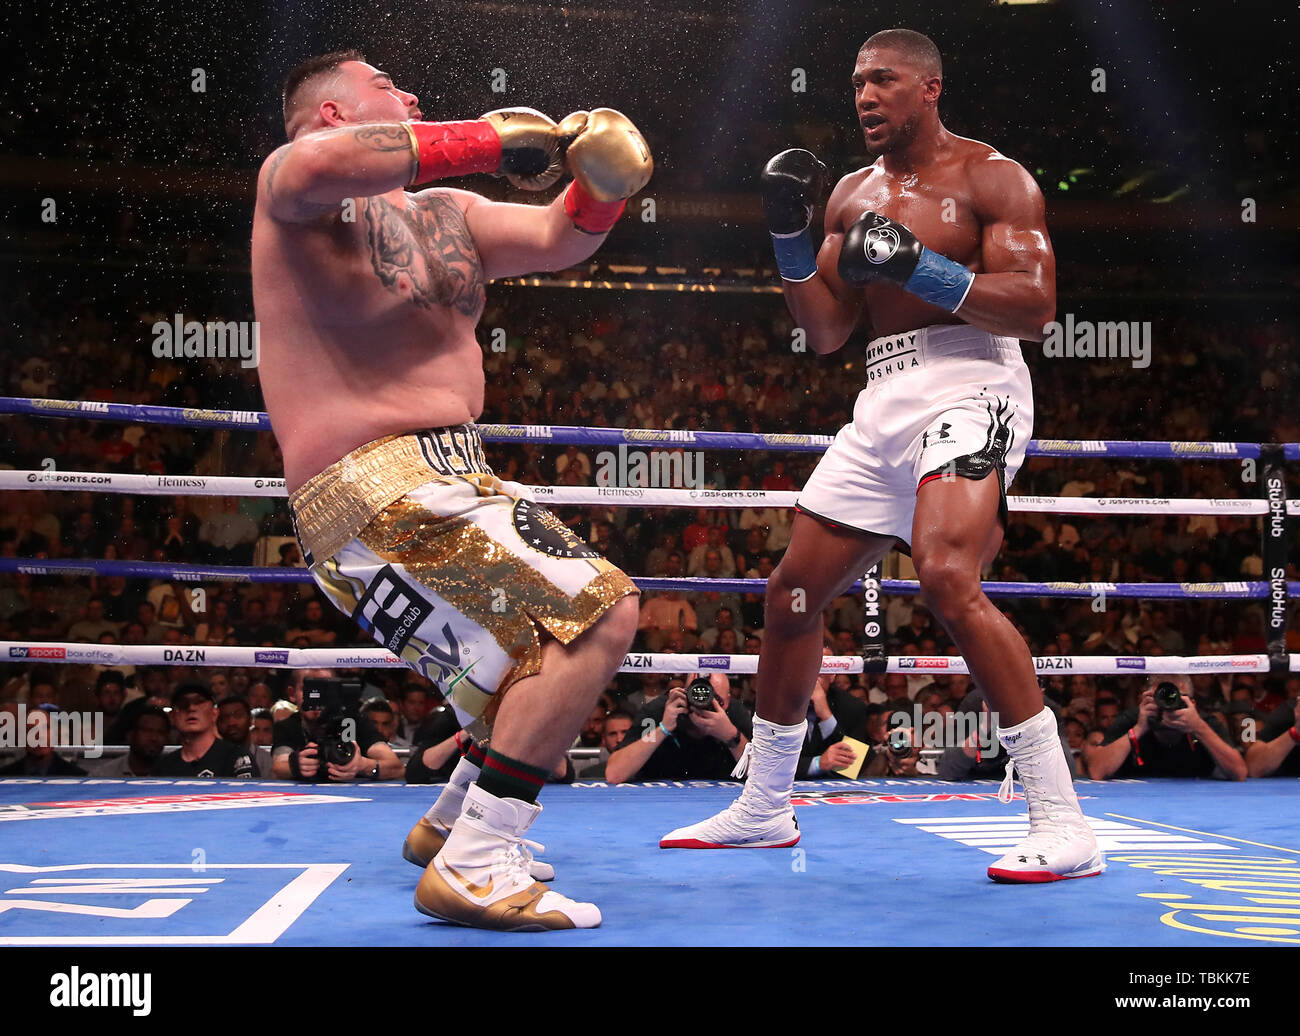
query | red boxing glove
[442, 149]
[588, 214]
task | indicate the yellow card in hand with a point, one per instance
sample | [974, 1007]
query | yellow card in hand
[860, 750]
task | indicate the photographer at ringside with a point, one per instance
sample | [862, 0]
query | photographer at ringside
[980, 756]
[436, 747]
[313, 744]
[693, 731]
[1165, 736]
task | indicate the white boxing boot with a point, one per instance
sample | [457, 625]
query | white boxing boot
[762, 818]
[1060, 843]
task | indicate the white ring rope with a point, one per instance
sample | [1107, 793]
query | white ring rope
[109, 655]
[588, 496]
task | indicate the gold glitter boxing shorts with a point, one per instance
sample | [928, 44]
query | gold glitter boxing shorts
[447, 566]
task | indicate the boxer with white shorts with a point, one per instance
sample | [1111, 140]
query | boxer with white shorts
[944, 401]
[940, 249]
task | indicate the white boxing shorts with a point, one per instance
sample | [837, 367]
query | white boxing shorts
[949, 400]
[446, 565]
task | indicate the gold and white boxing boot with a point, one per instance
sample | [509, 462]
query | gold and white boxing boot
[481, 876]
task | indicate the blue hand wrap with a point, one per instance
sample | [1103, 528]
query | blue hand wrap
[940, 281]
[795, 256]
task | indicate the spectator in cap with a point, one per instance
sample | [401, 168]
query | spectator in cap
[202, 752]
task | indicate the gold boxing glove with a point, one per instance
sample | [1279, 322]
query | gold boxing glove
[531, 147]
[607, 155]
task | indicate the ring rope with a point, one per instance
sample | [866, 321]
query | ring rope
[566, 435]
[1273, 503]
[595, 496]
[634, 662]
[177, 573]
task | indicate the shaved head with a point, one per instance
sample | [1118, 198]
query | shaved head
[918, 49]
[306, 84]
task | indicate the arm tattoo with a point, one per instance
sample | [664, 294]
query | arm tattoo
[425, 250]
[277, 160]
[383, 137]
[302, 208]
[386, 137]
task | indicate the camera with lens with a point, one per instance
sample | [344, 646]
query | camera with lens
[339, 702]
[700, 693]
[899, 742]
[1168, 698]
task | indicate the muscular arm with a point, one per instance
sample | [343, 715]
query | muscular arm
[280, 763]
[1264, 757]
[517, 239]
[311, 176]
[1015, 295]
[824, 306]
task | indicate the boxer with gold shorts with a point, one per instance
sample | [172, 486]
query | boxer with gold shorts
[368, 296]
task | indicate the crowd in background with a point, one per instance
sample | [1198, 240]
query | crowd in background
[690, 364]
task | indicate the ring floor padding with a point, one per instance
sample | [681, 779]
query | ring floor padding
[881, 863]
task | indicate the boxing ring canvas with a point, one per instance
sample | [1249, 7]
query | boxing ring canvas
[88, 862]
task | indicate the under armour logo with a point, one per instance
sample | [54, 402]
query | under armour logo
[939, 435]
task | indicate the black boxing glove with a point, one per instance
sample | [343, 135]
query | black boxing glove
[792, 182]
[877, 248]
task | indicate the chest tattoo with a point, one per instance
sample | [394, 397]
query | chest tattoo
[424, 250]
